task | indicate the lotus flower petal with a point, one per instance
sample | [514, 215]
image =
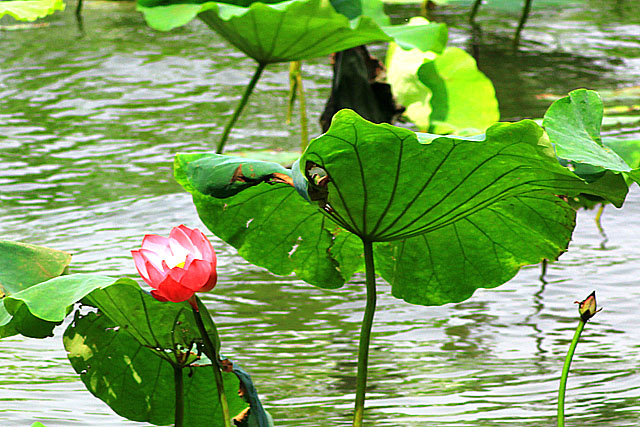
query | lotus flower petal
[177, 266]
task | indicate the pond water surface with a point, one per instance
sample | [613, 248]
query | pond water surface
[89, 124]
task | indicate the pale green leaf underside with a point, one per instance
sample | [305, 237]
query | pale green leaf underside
[435, 90]
[463, 99]
[23, 266]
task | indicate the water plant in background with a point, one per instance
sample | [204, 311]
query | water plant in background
[30, 10]
[587, 309]
[150, 358]
[292, 30]
[436, 217]
[435, 86]
[573, 124]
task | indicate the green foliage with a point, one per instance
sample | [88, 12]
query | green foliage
[22, 266]
[573, 125]
[463, 99]
[451, 214]
[269, 224]
[136, 380]
[30, 10]
[287, 31]
[435, 85]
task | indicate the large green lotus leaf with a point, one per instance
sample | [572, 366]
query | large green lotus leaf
[381, 183]
[573, 125]
[292, 30]
[22, 266]
[463, 99]
[270, 225]
[160, 326]
[482, 250]
[135, 382]
[30, 10]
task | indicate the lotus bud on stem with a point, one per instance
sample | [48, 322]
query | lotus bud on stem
[587, 309]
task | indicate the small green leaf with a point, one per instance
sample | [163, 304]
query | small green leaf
[22, 266]
[30, 10]
[135, 382]
[573, 125]
[52, 300]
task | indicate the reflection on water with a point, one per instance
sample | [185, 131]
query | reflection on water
[89, 124]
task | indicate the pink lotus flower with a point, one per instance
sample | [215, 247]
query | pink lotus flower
[178, 266]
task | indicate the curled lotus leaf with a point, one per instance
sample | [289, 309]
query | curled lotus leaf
[573, 125]
[223, 176]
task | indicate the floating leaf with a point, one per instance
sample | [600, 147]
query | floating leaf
[22, 266]
[53, 299]
[135, 382]
[30, 10]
